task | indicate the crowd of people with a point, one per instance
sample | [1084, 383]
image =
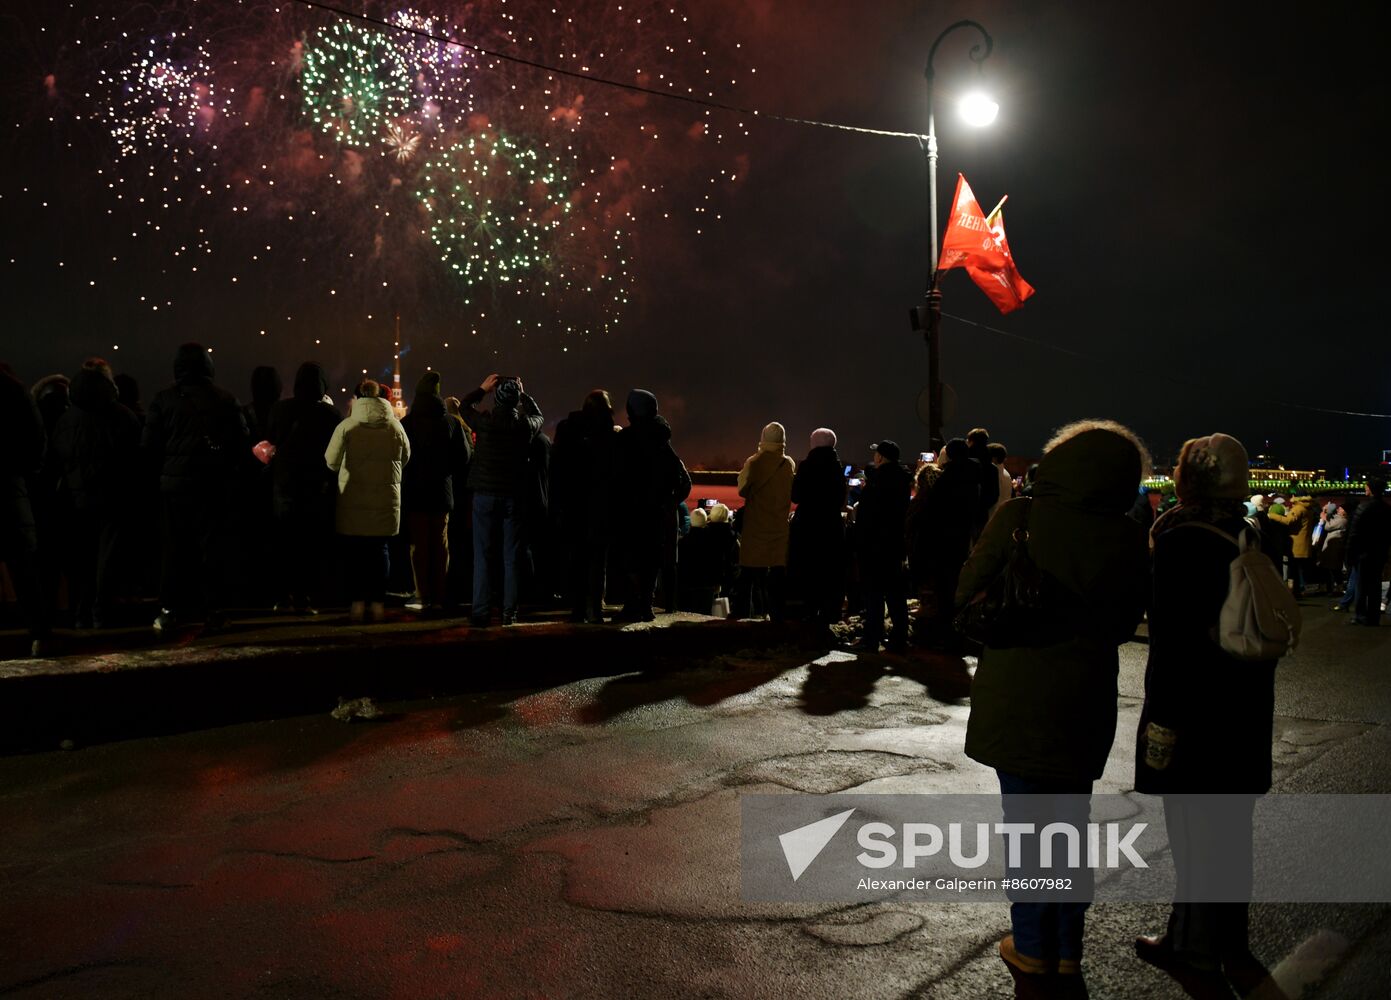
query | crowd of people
[463, 503]
[288, 503]
[466, 504]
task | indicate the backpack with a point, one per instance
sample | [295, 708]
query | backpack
[1259, 619]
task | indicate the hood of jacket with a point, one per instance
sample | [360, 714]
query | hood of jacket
[91, 390]
[192, 364]
[372, 410]
[428, 405]
[310, 383]
[1096, 471]
[49, 384]
[428, 385]
[642, 405]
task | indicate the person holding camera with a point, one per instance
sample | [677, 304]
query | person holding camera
[497, 476]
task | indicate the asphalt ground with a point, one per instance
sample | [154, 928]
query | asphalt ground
[570, 828]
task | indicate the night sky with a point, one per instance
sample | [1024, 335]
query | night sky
[1192, 190]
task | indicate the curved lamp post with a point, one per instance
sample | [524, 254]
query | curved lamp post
[977, 110]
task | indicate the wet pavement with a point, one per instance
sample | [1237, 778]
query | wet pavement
[574, 831]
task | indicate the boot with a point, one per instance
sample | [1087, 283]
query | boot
[377, 611]
[1032, 976]
[357, 612]
[1197, 981]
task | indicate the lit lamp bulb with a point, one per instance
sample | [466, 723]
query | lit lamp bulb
[977, 109]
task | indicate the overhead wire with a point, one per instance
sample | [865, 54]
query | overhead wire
[605, 81]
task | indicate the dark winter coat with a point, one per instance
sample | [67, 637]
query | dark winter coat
[939, 520]
[651, 477]
[1221, 709]
[650, 481]
[1369, 532]
[880, 544]
[536, 497]
[440, 455]
[300, 428]
[989, 480]
[499, 467]
[710, 557]
[265, 393]
[94, 451]
[1050, 711]
[195, 429]
[817, 536]
[21, 453]
[582, 470]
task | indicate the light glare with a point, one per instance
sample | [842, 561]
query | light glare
[978, 110]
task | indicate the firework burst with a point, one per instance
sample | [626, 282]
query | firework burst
[354, 81]
[290, 155]
[164, 99]
[401, 143]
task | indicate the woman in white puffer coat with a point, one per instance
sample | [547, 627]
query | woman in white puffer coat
[368, 451]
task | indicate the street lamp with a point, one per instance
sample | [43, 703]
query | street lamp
[976, 109]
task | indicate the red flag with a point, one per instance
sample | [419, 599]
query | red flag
[968, 235]
[995, 274]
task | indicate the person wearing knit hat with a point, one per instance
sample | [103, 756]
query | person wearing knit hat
[1211, 482]
[641, 405]
[650, 483]
[507, 393]
[823, 437]
[880, 548]
[498, 477]
[765, 483]
[428, 385]
[1212, 467]
[1204, 735]
[816, 554]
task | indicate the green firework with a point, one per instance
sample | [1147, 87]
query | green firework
[494, 206]
[354, 82]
